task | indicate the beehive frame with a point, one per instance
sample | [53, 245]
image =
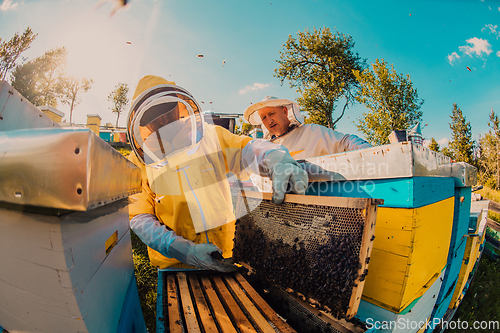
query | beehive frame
[213, 302]
[304, 232]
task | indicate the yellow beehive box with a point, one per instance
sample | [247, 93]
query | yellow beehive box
[409, 252]
[471, 256]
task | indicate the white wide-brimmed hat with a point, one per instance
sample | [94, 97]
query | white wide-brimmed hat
[253, 117]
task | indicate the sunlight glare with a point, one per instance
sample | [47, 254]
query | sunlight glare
[95, 48]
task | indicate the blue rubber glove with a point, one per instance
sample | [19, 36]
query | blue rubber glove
[286, 174]
[168, 243]
[200, 255]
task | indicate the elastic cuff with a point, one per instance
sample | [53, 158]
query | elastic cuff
[179, 249]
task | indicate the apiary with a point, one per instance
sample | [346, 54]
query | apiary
[317, 247]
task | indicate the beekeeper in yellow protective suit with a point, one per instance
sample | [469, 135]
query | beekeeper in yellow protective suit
[283, 124]
[184, 213]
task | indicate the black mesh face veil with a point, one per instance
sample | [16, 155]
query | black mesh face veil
[163, 120]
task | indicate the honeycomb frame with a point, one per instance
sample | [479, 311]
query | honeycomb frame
[317, 248]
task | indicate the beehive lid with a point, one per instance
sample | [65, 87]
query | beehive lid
[63, 168]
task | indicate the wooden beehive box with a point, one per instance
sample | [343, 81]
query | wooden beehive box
[317, 247]
[213, 302]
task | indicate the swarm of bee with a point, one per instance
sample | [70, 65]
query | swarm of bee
[325, 273]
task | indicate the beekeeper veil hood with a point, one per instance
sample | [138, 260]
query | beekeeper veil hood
[164, 119]
[252, 116]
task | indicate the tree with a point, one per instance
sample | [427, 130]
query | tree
[316, 118]
[245, 129]
[320, 65]
[489, 154]
[119, 99]
[72, 88]
[12, 49]
[461, 145]
[434, 146]
[392, 99]
[447, 152]
[40, 80]
[494, 125]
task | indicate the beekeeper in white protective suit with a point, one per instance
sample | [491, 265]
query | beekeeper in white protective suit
[283, 124]
[184, 212]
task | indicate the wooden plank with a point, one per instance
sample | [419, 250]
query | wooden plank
[187, 305]
[467, 264]
[220, 313]
[173, 306]
[493, 224]
[450, 280]
[254, 313]
[358, 203]
[364, 255]
[494, 207]
[430, 228]
[239, 317]
[385, 279]
[263, 306]
[160, 302]
[207, 320]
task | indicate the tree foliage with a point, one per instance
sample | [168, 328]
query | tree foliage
[489, 160]
[244, 130]
[119, 99]
[320, 65]
[41, 80]
[461, 145]
[434, 146]
[447, 152]
[392, 100]
[72, 88]
[12, 49]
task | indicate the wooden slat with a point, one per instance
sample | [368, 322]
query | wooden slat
[220, 313]
[494, 207]
[365, 252]
[493, 224]
[347, 202]
[205, 316]
[254, 313]
[263, 306]
[239, 317]
[187, 304]
[173, 308]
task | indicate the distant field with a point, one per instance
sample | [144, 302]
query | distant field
[494, 195]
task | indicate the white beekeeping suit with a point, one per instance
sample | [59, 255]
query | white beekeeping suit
[302, 140]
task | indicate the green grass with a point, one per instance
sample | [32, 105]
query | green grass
[481, 302]
[494, 195]
[147, 280]
[145, 274]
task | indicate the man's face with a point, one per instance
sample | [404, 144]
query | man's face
[275, 118]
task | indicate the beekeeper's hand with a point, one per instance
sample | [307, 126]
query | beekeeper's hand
[200, 255]
[165, 241]
[286, 174]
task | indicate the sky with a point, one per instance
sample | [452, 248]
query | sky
[450, 49]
